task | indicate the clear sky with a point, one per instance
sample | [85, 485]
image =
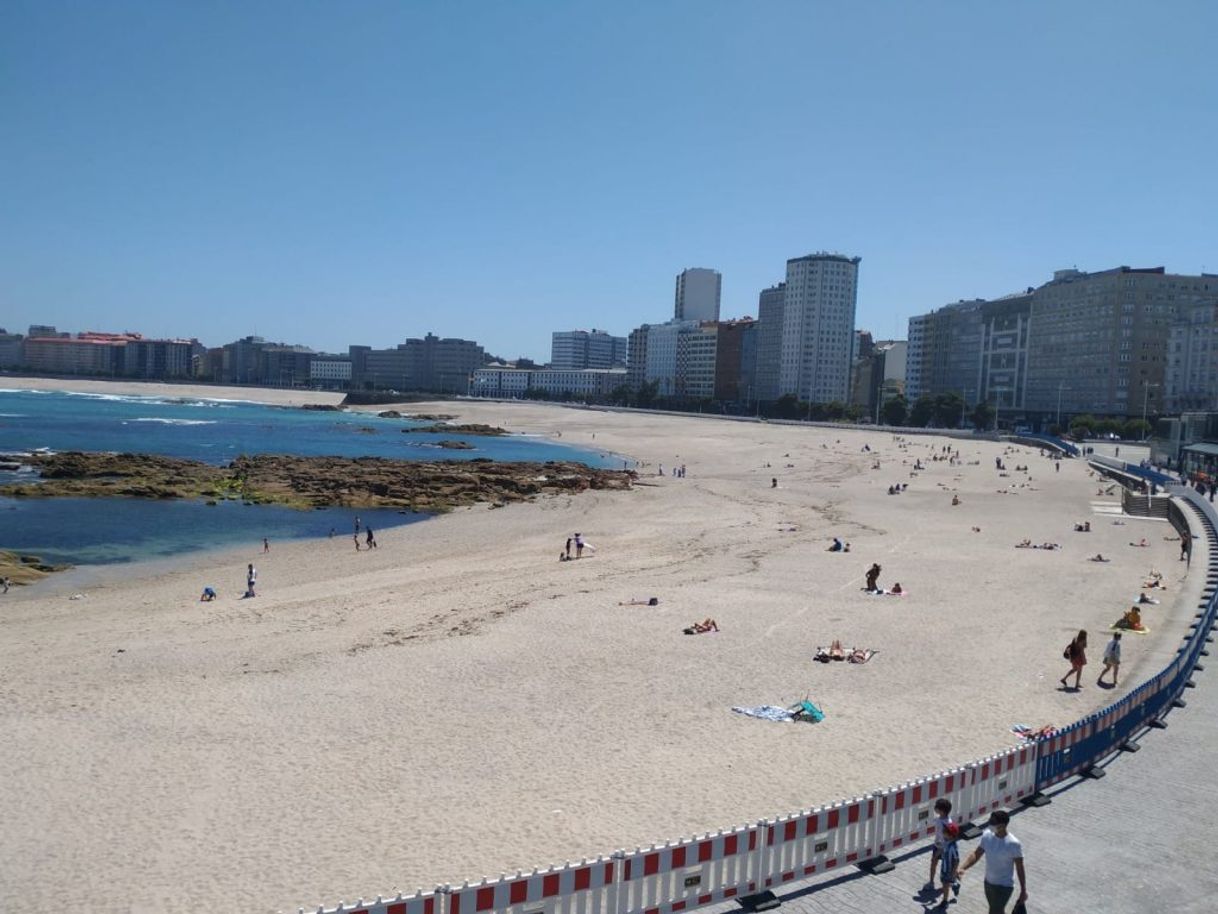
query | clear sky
[336, 173]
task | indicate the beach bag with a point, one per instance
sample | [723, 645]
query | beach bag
[1068, 653]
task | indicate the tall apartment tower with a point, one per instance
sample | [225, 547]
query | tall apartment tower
[697, 297]
[769, 341]
[575, 350]
[818, 327]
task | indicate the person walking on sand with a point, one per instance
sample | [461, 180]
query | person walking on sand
[579, 546]
[355, 539]
[266, 545]
[5, 583]
[1076, 653]
[251, 579]
[873, 577]
[1112, 659]
[1003, 853]
[370, 539]
[569, 541]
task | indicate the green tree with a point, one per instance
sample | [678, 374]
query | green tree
[648, 393]
[787, 407]
[982, 416]
[893, 411]
[834, 411]
[923, 411]
[620, 395]
[1135, 430]
[948, 409]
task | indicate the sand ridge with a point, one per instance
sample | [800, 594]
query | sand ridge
[460, 703]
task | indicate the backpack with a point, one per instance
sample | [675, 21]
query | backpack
[1068, 653]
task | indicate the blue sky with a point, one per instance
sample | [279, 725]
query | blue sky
[336, 173]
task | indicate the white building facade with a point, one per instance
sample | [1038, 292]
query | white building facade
[697, 295]
[818, 327]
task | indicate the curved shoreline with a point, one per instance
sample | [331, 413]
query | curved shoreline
[462, 661]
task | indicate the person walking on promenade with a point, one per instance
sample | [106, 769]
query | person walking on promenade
[1186, 546]
[1076, 653]
[943, 818]
[1112, 659]
[1003, 852]
[873, 577]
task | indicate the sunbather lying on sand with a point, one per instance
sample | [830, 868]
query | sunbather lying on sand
[706, 625]
[835, 652]
[860, 655]
[1098, 557]
[1142, 598]
[641, 601]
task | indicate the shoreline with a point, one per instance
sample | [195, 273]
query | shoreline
[463, 698]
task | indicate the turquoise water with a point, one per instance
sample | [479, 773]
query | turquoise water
[106, 531]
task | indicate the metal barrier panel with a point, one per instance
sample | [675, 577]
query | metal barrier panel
[418, 903]
[803, 844]
[584, 888]
[693, 872]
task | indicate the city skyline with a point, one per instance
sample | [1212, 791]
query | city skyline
[327, 175]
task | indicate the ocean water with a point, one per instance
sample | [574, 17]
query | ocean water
[106, 531]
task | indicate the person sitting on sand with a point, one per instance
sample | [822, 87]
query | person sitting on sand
[897, 589]
[1143, 599]
[706, 625]
[955, 500]
[209, 594]
[1132, 620]
[1098, 557]
[641, 601]
[836, 546]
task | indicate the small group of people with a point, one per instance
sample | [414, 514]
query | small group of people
[1084, 527]
[898, 488]
[1028, 544]
[1076, 653]
[576, 540]
[838, 546]
[369, 539]
[1002, 852]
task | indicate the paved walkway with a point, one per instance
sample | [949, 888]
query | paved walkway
[1133, 842]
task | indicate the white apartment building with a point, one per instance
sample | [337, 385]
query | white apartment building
[697, 297]
[818, 327]
[697, 348]
[516, 382]
[661, 364]
[330, 372]
[1191, 376]
[579, 349]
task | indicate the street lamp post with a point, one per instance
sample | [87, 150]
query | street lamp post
[1060, 385]
[1145, 399]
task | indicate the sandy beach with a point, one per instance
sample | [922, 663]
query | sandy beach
[459, 703]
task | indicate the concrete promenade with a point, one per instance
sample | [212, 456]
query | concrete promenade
[1135, 841]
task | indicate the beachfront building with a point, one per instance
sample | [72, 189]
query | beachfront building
[330, 371]
[636, 357]
[429, 364]
[11, 350]
[88, 353]
[879, 374]
[504, 382]
[818, 327]
[697, 347]
[697, 295]
[1191, 374]
[736, 361]
[579, 349]
[769, 341]
[159, 359]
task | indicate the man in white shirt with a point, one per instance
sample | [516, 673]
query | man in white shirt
[1003, 853]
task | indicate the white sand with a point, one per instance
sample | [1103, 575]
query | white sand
[460, 703]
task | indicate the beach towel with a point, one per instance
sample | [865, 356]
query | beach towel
[860, 656]
[768, 712]
[1133, 631]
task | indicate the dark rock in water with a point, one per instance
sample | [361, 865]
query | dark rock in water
[455, 445]
[390, 414]
[322, 407]
[308, 482]
[26, 569]
[443, 428]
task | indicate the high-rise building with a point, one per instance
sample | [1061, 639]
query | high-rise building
[1099, 340]
[579, 349]
[1191, 377]
[818, 327]
[427, 364]
[736, 361]
[769, 341]
[697, 297]
[636, 357]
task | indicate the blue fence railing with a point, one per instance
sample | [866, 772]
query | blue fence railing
[1081, 745]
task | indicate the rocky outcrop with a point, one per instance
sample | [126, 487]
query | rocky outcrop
[308, 482]
[25, 569]
[445, 429]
